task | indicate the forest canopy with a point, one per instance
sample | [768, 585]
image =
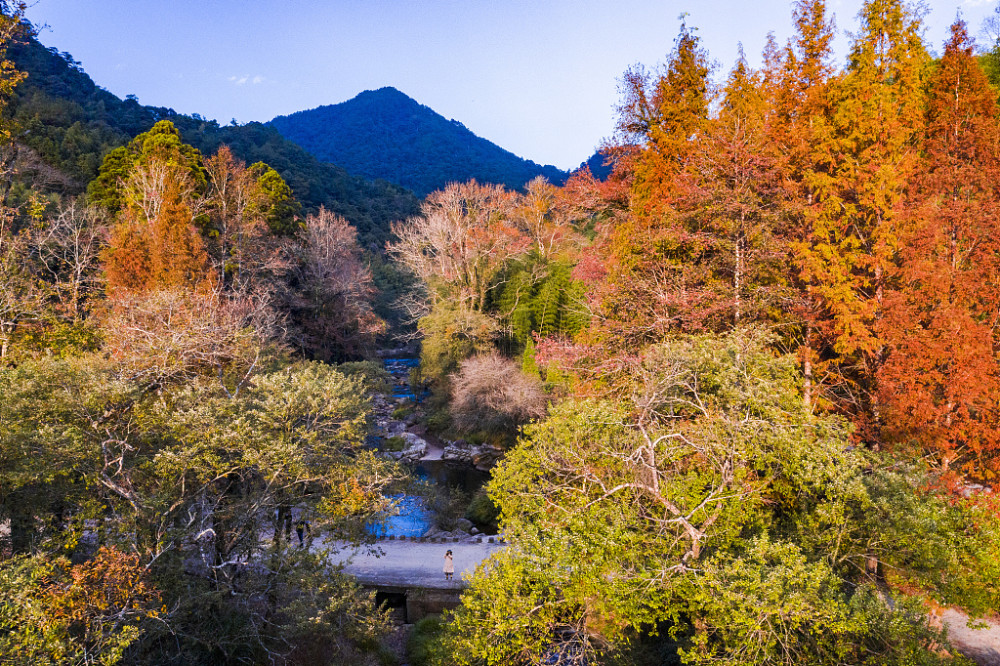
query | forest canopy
[769, 350]
[738, 397]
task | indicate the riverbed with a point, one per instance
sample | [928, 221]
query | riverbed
[415, 517]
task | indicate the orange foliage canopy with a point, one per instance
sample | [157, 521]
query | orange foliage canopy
[155, 244]
[95, 606]
[112, 584]
[941, 381]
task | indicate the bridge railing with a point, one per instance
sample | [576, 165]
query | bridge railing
[423, 539]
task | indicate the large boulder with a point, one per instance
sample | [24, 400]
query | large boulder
[415, 449]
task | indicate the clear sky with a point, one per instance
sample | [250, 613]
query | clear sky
[537, 77]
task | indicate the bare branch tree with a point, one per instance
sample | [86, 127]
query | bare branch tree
[174, 334]
[462, 239]
[69, 247]
[22, 297]
[490, 393]
[234, 199]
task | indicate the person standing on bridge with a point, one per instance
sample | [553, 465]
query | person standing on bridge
[449, 566]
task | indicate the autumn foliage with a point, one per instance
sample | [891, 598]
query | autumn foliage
[853, 211]
[57, 612]
[155, 244]
[941, 381]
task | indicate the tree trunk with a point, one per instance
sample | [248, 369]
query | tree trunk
[738, 277]
[807, 369]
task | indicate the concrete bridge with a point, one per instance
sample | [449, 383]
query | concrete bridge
[408, 575]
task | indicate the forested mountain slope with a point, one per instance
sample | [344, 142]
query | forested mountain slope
[386, 134]
[70, 123]
[598, 165]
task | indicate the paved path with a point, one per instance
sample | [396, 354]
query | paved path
[980, 645]
[434, 447]
[414, 564]
[411, 564]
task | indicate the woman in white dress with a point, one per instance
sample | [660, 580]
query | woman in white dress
[449, 566]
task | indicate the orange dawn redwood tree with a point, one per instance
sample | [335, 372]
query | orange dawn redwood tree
[799, 81]
[155, 243]
[734, 207]
[656, 280]
[940, 383]
[666, 115]
[854, 217]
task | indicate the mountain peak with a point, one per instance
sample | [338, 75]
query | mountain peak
[385, 134]
[386, 91]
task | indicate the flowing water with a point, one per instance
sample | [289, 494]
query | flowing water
[415, 517]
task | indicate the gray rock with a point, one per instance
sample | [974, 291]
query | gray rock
[416, 447]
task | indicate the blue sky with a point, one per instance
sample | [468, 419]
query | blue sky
[536, 77]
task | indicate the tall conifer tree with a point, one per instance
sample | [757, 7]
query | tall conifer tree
[941, 380]
[660, 267]
[666, 117]
[872, 149]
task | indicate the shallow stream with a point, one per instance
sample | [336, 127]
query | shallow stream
[415, 518]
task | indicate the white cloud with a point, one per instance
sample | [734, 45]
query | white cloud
[245, 79]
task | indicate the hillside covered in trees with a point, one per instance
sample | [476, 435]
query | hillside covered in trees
[65, 123]
[768, 348]
[384, 134]
[741, 394]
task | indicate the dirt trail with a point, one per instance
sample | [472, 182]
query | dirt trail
[980, 645]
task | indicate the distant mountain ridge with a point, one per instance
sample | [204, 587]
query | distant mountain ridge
[599, 166]
[71, 123]
[384, 134]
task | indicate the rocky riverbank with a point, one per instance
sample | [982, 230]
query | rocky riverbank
[399, 422]
[453, 470]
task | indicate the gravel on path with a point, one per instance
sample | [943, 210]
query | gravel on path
[980, 645]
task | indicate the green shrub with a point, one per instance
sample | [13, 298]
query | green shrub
[439, 420]
[482, 511]
[375, 376]
[448, 505]
[402, 411]
[59, 339]
[451, 335]
[394, 444]
[424, 640]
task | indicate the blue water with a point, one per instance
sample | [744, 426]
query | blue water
[414, 518]
[400, 368]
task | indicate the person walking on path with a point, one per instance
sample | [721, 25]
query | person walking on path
[302, 529]
[449, 566]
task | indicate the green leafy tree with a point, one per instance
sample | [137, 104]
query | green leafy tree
[12, 28]
[278, 204]
[199, 483]
[162, 143]
[712, 503]
[57, 613]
